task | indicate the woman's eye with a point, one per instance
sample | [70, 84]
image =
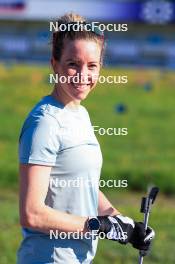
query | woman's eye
[92, 66]
[72, 64]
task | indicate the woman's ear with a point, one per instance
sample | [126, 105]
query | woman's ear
[54, 64]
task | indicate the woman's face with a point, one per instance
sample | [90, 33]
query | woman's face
[80, 64]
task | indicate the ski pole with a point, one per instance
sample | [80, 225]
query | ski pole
[146, 208]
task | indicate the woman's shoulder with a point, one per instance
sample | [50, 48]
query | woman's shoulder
[45, 112]
[48, 106]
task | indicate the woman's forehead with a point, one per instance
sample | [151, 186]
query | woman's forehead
[81, 48]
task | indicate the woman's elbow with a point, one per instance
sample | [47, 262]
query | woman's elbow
[30, 218]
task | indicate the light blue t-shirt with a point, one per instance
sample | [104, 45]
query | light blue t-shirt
[63, 138]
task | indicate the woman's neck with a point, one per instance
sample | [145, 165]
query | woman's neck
[64, 99]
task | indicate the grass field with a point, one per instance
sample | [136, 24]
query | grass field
[145, 156]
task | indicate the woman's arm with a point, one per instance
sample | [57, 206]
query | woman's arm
[105, 207]
[34, 182]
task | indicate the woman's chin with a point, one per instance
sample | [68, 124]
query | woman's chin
[81, 95]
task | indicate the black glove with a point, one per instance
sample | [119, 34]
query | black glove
[124, 230]
[140, 239]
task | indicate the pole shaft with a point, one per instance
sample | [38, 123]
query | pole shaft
[140, 259]
[146, 218]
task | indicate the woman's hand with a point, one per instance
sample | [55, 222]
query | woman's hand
[124, 230]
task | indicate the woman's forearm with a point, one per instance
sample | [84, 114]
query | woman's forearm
[47, 219]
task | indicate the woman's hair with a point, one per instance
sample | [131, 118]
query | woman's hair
[59, 36]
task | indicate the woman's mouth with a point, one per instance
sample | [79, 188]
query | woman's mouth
[81, 86]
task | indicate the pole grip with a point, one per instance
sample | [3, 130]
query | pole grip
[153, 194]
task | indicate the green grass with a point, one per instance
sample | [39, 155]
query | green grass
[145, 156]
[9, 226]
[161, 219]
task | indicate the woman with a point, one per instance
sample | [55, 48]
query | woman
[50, 153]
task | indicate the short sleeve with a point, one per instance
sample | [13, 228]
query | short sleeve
[39, 141]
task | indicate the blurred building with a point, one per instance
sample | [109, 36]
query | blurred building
[149, 41]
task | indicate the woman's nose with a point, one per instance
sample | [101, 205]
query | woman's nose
[83, 72]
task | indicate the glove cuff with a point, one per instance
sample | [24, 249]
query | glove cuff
[105, 224]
